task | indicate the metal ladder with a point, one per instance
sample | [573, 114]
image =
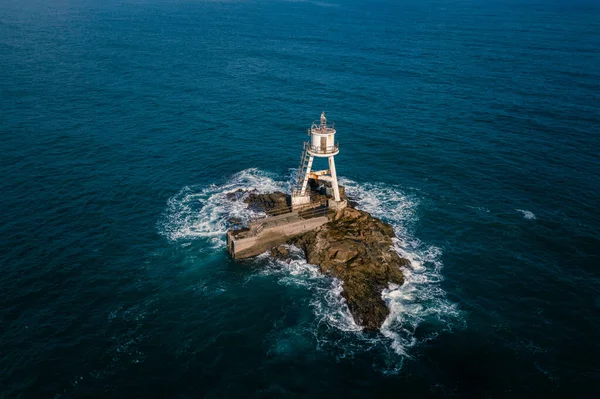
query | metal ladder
[304, 163]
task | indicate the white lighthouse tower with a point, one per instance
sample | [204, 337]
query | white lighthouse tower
[322, 144]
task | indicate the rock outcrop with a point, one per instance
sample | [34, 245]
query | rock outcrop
[269, 203]
[356, 248]
[280, 252]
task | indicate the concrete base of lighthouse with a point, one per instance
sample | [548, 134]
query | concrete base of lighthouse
[299, 201]
[337, 205]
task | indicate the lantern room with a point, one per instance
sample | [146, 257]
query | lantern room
[322, 139]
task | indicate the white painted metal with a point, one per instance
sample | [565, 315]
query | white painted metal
[322, 145]
[334, 182]
[322, 139]
[305, 181]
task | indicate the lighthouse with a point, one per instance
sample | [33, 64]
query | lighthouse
[281, 224]
[322, 144]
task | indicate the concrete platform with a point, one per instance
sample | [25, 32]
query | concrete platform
[263, 234]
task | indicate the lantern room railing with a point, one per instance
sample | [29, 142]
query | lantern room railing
[321, 130]
[317, 149]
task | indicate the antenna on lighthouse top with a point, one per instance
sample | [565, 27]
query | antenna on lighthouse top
[323, 119]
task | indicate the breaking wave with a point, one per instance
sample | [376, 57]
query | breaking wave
[527, 214]
[420, 300]
[206, 212]
[419, 309]
[328, 304]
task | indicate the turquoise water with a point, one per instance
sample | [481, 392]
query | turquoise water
[470, 126]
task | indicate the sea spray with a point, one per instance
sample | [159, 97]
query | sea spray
[420, 299]
[204, 212]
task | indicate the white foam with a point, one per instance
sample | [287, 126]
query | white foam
[204, 211]
[420, 299]
[480, 209]
[527, 214]
[333, 309]
[295, 271]
[328, 304]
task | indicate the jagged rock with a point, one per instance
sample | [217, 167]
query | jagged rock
[280, 252]
[356, 248]
[235, 195]
[235, 221]
[319, 188]
[270, 203]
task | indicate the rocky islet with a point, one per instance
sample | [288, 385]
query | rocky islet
[353, 247]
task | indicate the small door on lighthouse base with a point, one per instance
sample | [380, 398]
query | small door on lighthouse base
[323, 144]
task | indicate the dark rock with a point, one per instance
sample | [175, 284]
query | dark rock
[280, 252]
[319, 188]
[356, 248]
[351, 202]
[272, 203]
[235, 195]
[236, 221]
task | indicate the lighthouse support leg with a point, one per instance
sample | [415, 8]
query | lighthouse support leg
[334, 182]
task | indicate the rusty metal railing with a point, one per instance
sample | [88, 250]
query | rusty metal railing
[315, 212]
[288, 209]
[257, 225]
[317, 149]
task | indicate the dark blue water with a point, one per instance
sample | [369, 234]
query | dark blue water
[470, 126]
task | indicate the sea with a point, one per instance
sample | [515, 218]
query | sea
[471, 126]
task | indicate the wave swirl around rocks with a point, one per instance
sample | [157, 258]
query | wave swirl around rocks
[206, 212]
[356, 248]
